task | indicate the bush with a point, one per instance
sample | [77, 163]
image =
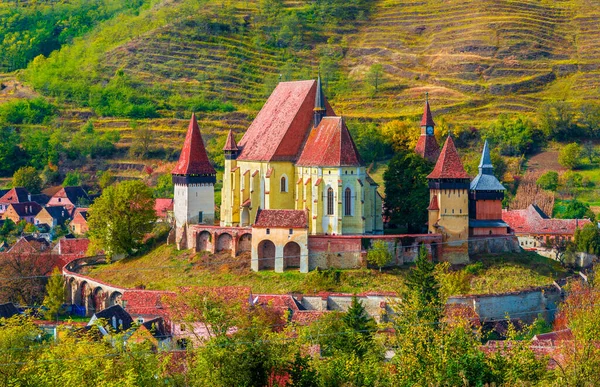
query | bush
[569, 156]
[29, 178]
[548, 181]
[27, 111]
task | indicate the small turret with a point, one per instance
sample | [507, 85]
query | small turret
[427, 146]
[231, 150]
[320, 109]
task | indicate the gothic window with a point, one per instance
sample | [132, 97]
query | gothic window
[283, 184]
[330, 201]
[348, 202]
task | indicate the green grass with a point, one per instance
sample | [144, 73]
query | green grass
[165, 268]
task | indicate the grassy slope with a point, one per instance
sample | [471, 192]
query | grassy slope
[166, 268]
[476, 58]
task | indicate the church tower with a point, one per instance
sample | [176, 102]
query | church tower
[427, 146]
[229, 202]
[320, 110]
[449, 204]
[485, 200]
[194, 179]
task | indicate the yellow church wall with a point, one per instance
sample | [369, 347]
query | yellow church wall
[453, 222]
[278, 199]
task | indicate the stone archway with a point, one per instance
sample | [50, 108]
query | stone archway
[99, 298]
[204, 242]
[115, 298]
[69, 290]
[245, 243]
[76, 293]
[266, 255]
[224, 242]
[291, 255]
[87, 298]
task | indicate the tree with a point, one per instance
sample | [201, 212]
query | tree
[548, 181]
[587, 239]
[569, 155]
[512, 136]
[422, 282]
[402, 135]
[24, 276]
[577, 210]
[407, 190]
[164, 186]
[55, 294]
[379, 254]
[121, 217]
[374, 78]
[28, 178]
[589, 119]
[142, 140]
[72, 179]
[360, 328]
[589, 151]
[106, 179]
[557, 120]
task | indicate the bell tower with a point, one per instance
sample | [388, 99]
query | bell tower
[194, 179]
[449, 204]
[427, 146]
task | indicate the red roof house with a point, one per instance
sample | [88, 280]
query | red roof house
[532, 221]
[163, 206]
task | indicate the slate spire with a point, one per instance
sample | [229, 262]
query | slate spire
[320, 109]
[485, 165]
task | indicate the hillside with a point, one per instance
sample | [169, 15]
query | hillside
[476, 58]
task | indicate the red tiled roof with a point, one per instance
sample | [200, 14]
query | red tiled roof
[448, 165]
[530, 221]
[282, 125]
[15, 195]
[428, 148]
[230, 144]
[433, 205]
[427, 118]
[193, 159]
[281, 218]
[162, 206]
[330, 145]
[147, 302]
[75, 246]
[29, 244]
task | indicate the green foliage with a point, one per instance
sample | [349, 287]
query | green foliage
[121, 217]
[28, 178]
[42, 146]
[55, 294]
[374, 78]
[424, 286]
[372, 145]
[72, 179]
[587, 239]
[574, 210]
[89, 143]
[406, 190]
[512, 136]
[569, 155]
[360, 328]
[589, 119]
[557, 120]
[11, 156]
[106, 179]
[26, 111]
[548, 180]
[379, 254]
[38, 28]
[452, 282]
[301, 372]
[164, 186]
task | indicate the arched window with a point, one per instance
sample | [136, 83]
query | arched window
[330, 201]
[348, 202]
[283, 184]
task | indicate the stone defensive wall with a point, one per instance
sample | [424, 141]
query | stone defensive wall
[324, 251]
[525, 305]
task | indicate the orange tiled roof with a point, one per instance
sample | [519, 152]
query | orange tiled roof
[330, 145]
[448, 165]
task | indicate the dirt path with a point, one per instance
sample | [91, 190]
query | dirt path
[545, 161]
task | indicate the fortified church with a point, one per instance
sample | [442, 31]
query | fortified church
[297, 195]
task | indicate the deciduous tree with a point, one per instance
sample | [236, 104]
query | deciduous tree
[121, 217]
[379, 254]
[29, 178]
[569, 156]
[55, 294]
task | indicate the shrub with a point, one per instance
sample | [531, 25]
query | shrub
[569, 156]
[548, 181]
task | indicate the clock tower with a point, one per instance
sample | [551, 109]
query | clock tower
[427, 146]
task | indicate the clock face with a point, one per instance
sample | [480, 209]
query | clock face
[430, 130]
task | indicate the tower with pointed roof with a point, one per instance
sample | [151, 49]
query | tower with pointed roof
[230, 204]
[485, 200]
[449, 204]
[427, 146]
[319, 111]
[194, 180]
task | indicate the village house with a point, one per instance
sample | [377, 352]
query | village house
[164, 209]
[79, 223]
[26, 211]
[8, 310]
[51, 217]
[30, 244]
[72, 247]
[14, 195]
[70, 198]
[536, 230]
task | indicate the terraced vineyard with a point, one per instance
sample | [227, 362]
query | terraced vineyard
[476, 58]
